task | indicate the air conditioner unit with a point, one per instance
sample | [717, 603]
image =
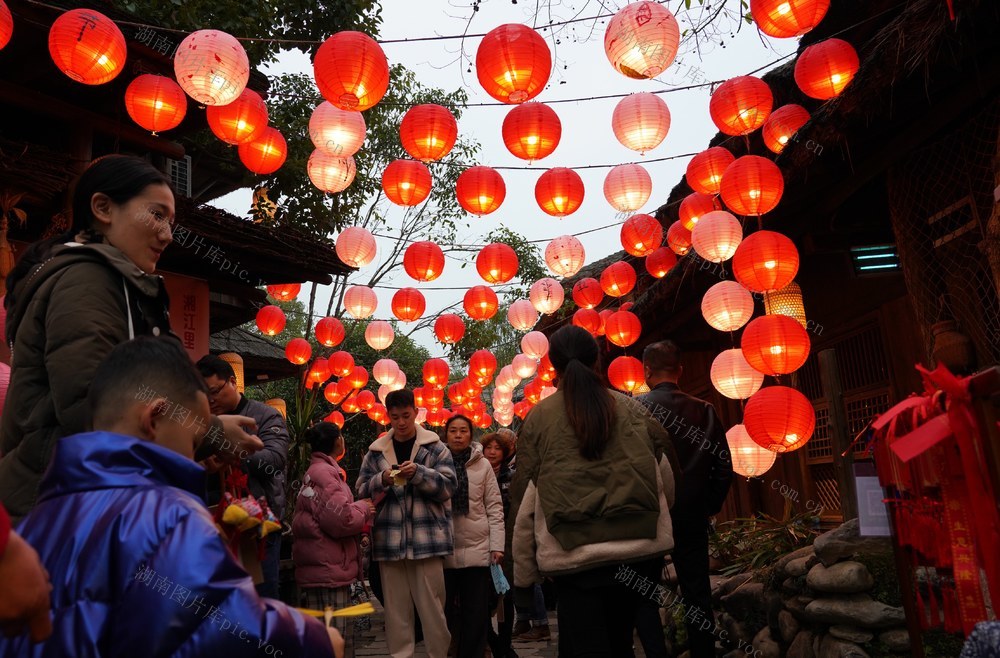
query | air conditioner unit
[180, 175]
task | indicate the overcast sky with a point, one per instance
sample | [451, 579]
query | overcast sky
[581, 70]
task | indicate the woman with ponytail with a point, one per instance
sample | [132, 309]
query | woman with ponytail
[590, 501]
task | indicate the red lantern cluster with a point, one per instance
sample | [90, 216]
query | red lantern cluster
[428, 132]
[480, 190]
[284, 292]
[449, 328]
[497, 263]
[239, 122]
[319, 372]
[588, 293]
[423, 261]
[825, 68]
[752, 185]
[704, 171]
[693, 206]
[330, 332]
[741, 105]
[779, 418]
[155, 102]
[408, 304]
[351, 71]
[513, 63]
[298, 351]
[483, 363]
[266, 154]
[765, 261]
[775, 344]
[559, 191]
[641, 235]
[406, 182]
[626, 373]
[87, 46]
[270, 320]
[679, 238]
[531, 131]
[782, 125]
[436, 373]
[590, 320]
[481, 303]
[341, 364]
[623, 328]
[618, 279]
[783, 19]
[660, 262]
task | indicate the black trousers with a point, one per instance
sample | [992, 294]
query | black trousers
[648, 625]
[596, 615]
[500, 640]
[467, 607]
[691, 561]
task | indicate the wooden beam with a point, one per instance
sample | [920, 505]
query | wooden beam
[843, 466]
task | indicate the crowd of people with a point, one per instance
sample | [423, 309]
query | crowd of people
[110, 435]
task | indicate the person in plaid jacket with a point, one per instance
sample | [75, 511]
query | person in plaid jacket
[410, 474]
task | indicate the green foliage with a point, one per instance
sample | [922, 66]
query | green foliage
[750, 544]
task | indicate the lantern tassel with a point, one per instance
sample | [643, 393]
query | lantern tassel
[951, 9]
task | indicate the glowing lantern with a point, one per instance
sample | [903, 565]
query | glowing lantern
[749, 459]
[641, 235]
[335, 131]
[641, 121]
[825, 68]
[270, 320]
[775, 344]
[484, 421]
[351, 71]
[341, 364]
[523, 366]
[298, 351]
[350, 404]
[704, 171]
[481, 303]
[588, 293]
[155, 102]
[497, 263]
[87, 46]
[787, 301]
[546, 295]
[358, 377]
[408, 304]
[436, 373]
[433, 396]
[535, 344]
[356, 246]
[531, 131]
[779, 418]
[508, 379]
[627, 187]
[400, 382]
[284, 292]
[212, 67]
[716, 237]
[513, 63]
[483, 363]
[6, 25]
[727, 306]
[379, 335]
[428, 132]
[329, 173]
[752, 185]
[740, 105]
[437, 417]
[266, 154]
[319, 372]
[660, 262]
[385, 371]
[406, 182]
[330, 332]
[423, 261]
[366, 400]
[588, 319]
[559, 191]
[379, 414]
[449, 328]
[522, 315]
[332, 393]
[522, 408]
[765, 261]
[546, 371]
[693, 206]
[626, 373]
[734, 377]
[787, 18]
[533, 390]
[782, 125]
[618, 279]
[641, 40]
[241, 121]
[679, 238]
[336, 418]
[565, 255]
[418, 396]
[623, 328]
[480, 190]
[360, 302]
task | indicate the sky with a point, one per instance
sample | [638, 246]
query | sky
[581, 70]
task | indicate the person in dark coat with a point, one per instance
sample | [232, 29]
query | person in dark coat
[706, 474]
[137, 565]
[498, 449]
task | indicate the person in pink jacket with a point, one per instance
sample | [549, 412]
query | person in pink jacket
[327, 528]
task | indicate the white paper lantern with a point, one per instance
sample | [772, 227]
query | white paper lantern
[379, 334]
[734, 377]
[522, 315]
[749, 459]
[546, 295]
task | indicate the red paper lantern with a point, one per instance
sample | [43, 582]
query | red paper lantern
[406, 182]
[559, 191]
[284, 292]
[825, 68]
[336, 418]
[408, 304]
[335, 131]
[330, 332]
[779, 418]
[483, 363]
[351, 71]
[533, 390]
[449, 328]
[783, 19]
[428, 132]
[241, 121]
[481, 303]
[87, 46]
[627, 187]
[341, 364]
[366, 400]
[212, 67]
[423, 261]
[752, 185]
[618, 279]
[642, 39]
[360, 302]
[605, 314]
[266, 154]
[546, 295]
[693, 206]
[513, 63]
[358, 378]
[716, 237]
[379, 414]
[641, 121]
[727, 306]
[623, 328]
[356, 246]
[588, 319]
[626, 373]
[379, 335]
[436, 373]
[660, 262]
[775, 344]
[765, 261]
[522, 408]
[679, 238]
[588, 293]
[6, 25]
[319, 372]
[741, 105]
[332, 393]
[531, 131]
[270, 320]
[350, 404]
[641, 235]
[704, 171]
[480, 190]
[330, 173]
[298, 351]
[497, 263]
[782, 125]
[155, 102]
[565, 255]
